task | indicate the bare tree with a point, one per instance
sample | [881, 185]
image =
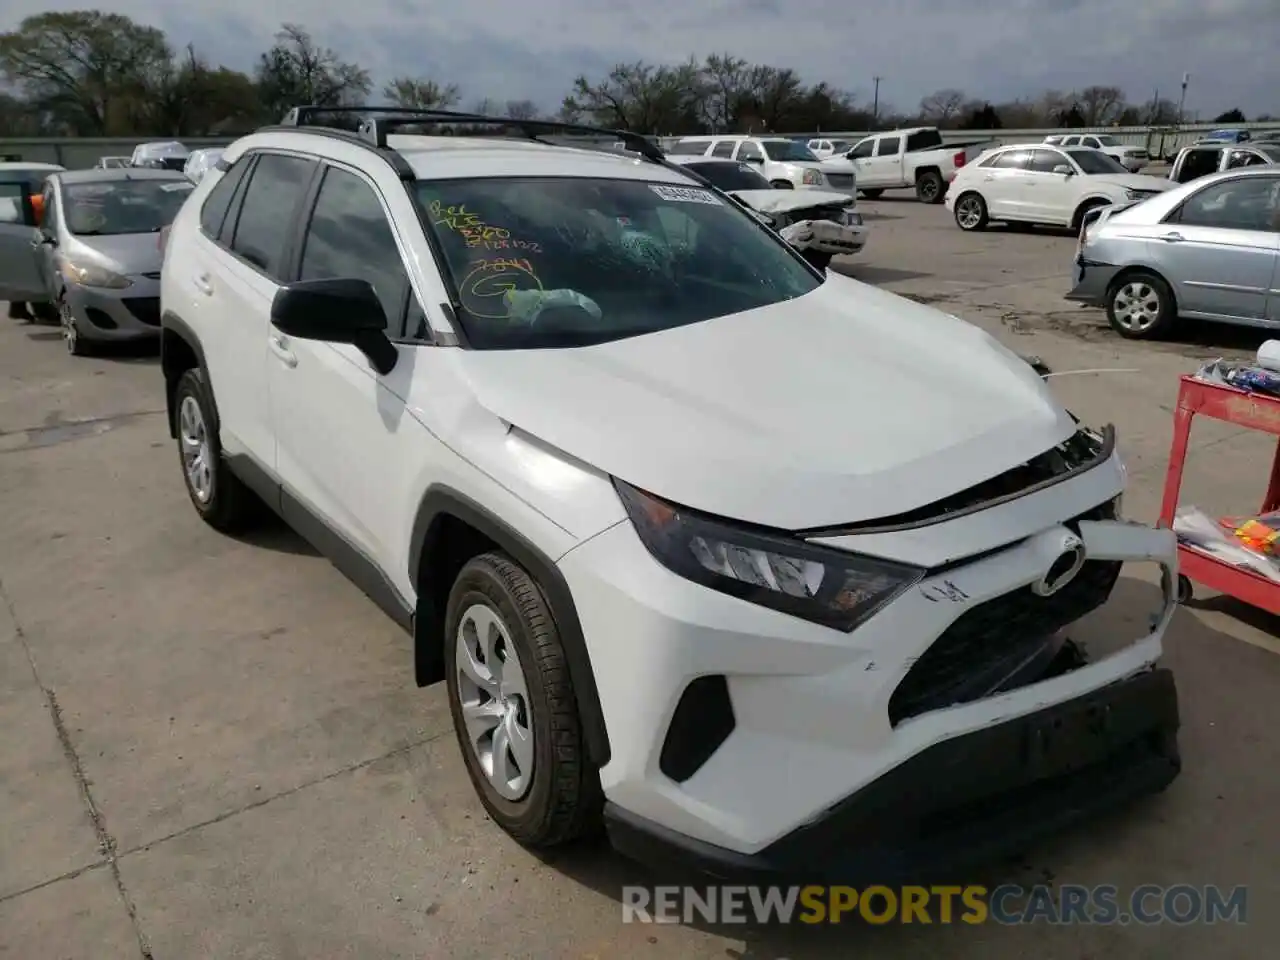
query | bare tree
[522, 110]
[297, 71]
[420, 93]
[942, 107]
[1100, 105]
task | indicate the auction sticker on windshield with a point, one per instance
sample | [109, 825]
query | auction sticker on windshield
[684, 194]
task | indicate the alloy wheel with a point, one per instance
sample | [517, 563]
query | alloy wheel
[70, 335]
[969, 212]
[495, 701]
[1137, 306]
[194, 438]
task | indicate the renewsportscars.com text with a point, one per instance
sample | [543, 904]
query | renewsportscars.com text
[1009, 904]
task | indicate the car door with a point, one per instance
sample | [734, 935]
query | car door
[886, 164]
[1219, 249]
[1048, 196]
[1002, 184]
[861, 156]
[234, 279]
[21, 278]
[338, 422]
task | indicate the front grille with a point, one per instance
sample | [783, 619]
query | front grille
[841, 181]
[989, 643]
[146, 309]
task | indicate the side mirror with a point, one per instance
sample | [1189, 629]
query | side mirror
[343, 310]
[1065, 170]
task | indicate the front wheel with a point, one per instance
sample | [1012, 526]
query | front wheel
[514, 708]
[930, 187]
[971, 212]
[1140, 306]
[783, 184]
[76, 345]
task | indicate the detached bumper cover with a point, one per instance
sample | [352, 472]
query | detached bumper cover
[961, 803]
[1091, 282]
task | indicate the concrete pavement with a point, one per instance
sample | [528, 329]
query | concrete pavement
[213, 748]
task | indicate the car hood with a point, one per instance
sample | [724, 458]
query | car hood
[127, 253]
[1134, 181]
[847, 404]
[838, 164]
[785, 201]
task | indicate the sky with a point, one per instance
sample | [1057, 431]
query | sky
[507, 49]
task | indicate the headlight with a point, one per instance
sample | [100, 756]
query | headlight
[812, 177]
[1139, 194]
[819, 584]
[92, 275]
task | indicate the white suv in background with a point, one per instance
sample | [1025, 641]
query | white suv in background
[785, 163]
[621, 462]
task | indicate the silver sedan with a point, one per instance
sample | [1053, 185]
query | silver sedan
[1208, 250]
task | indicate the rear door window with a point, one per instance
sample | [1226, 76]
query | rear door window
[1012, 160]
[218, 202]
[269, 210]
[723, 149]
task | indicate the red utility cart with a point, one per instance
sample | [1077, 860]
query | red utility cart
[1255, 411]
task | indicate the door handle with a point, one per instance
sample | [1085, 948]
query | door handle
[1172, 237]
[203, 285]
[280, 347]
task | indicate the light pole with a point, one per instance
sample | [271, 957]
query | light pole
[1182, 100]
[875, 103]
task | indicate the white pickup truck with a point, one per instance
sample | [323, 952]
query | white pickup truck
[915, 158]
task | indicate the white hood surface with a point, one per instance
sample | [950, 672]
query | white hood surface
[784, 201]
[847, 404]
[1135, 181]
[838, 164]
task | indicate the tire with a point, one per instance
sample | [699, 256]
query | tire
[783, 184]
[971, 212]
[1140, 306]
[559, 799]
[1078, 219]
[46, 313]
[930, 187]
[220, 497]
[1186, 592]
[873, 194]
[72, 339]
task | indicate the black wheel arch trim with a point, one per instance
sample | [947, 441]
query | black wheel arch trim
[439, 502]
[171, 323]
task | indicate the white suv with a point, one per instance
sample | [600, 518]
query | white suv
[762, 570]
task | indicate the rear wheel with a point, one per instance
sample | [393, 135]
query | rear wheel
[783, 184]
[1140, 306]
[872, 194]
[219, 496]
[971, 212]
[930, 187]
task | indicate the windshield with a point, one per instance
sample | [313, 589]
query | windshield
[104, 208]
[568, 262]
[731, 176]
[840, 146]
[1091, 161]
[1270, 150]
[786, 150]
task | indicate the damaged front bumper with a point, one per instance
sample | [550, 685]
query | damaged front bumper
[827, 236]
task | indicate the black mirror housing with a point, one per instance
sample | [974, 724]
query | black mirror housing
[339, 310]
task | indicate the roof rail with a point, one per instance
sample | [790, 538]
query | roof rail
[374, 124]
